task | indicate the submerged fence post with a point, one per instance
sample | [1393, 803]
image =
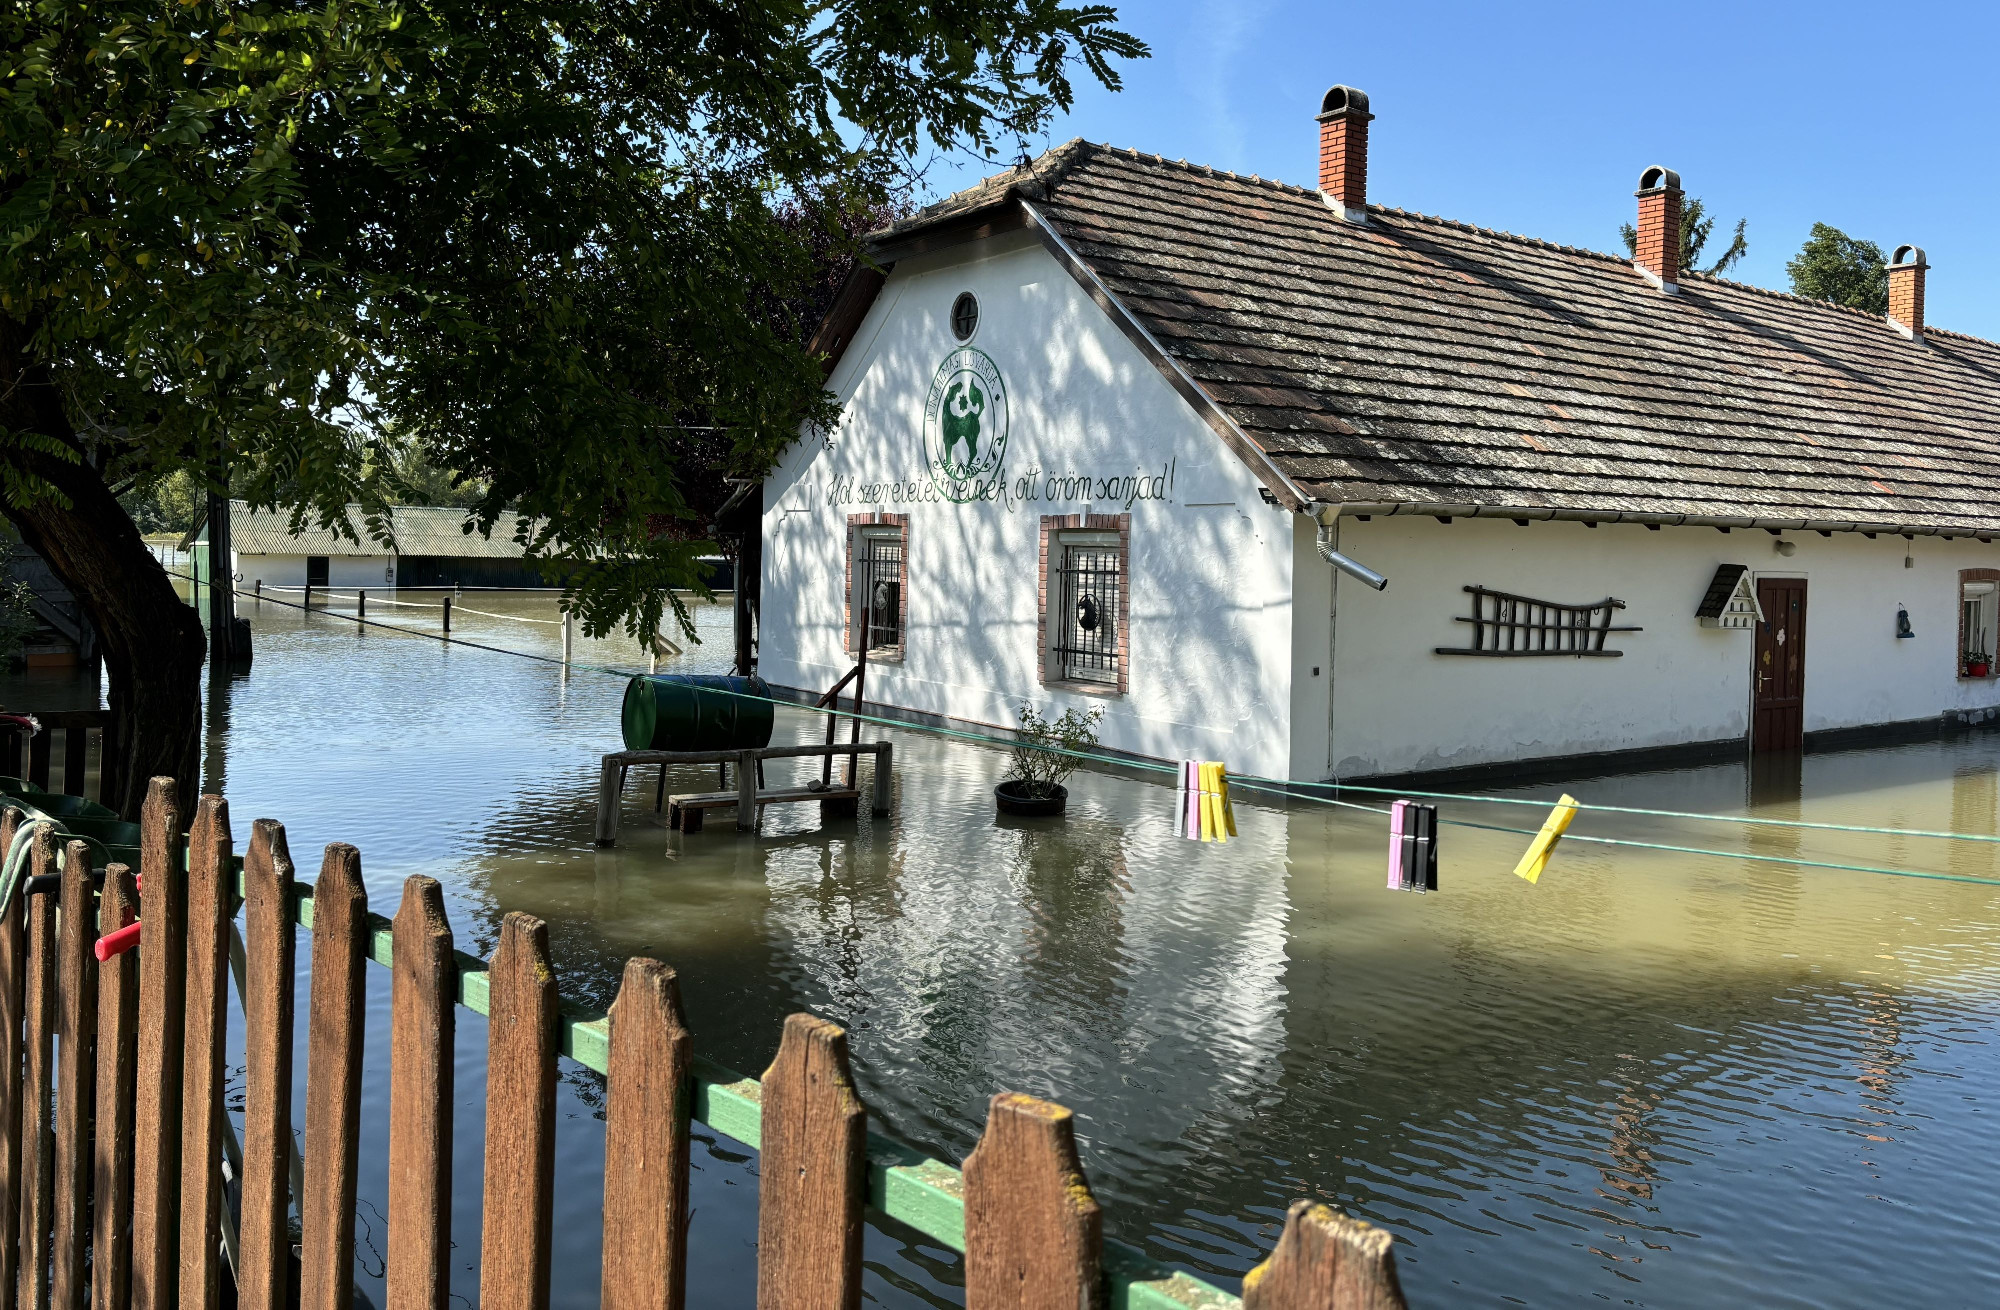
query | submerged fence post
[1034, 1235]
[646, 1113]
[568, 637]
[333, 1081]
[423, 1019]
[360, 604]
[1326, 1259]
[447, 614]
[813, 1174]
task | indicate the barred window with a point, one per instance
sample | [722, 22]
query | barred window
[875, 604]
[1090, 577]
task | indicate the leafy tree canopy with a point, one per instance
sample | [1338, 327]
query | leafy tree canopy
[1832, 265]
[1695, 227]
[539, 237]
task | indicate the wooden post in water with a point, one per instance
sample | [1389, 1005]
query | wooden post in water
[447, 614]
[117, 1065]
[1326, 1259]
[879, 802]
[646, 1112]
[264, 1244]
[156, 1113]
[568, 638]
[360, 604]
[522, 1025]
[1034, 1235]
[309, 594]
[610, 794]
[813, 1174]
[747, 812]
[210, 891]
[333, 1081]
[76, 1030]
[422, 1024]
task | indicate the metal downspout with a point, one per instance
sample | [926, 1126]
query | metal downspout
[1327, 542]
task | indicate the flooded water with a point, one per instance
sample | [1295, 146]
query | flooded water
[1653, 1078]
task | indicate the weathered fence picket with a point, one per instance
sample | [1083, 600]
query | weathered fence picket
[422, 1021]
[76, 1070]
[333, 1081]
[210, 897]
[117, 1070]
[13, 980]
[520, 1119]
[263, 1243]
[38, 1158]
[130, 1120]
[156, 1132]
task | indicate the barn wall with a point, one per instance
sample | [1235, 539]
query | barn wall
[1092, 428]
[1399, 707]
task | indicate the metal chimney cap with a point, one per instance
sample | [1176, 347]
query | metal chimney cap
[1343, 101]
[1657, 178]
[1915, 260]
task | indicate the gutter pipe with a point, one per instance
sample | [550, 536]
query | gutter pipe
[1328, 541]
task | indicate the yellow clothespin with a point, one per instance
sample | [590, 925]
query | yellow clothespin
[1553, 828]
[1222, 799]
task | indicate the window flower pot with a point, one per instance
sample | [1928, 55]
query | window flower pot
[1976, 668]
[1014, 798]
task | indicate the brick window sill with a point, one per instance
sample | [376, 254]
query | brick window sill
[1108, 690]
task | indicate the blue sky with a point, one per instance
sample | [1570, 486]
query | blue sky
[1539, 117]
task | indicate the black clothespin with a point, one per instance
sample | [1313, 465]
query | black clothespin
[1420, 861]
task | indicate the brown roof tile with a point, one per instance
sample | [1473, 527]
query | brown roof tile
[1422, 361]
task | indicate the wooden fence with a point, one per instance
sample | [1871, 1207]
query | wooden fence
[115, 1131]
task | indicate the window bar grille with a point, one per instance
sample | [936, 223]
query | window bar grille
[882, 592]
[1087, 636]
[1504, 624]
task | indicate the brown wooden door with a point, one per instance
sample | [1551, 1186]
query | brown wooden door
[1778, 675]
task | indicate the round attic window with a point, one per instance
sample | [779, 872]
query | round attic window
[964, 316]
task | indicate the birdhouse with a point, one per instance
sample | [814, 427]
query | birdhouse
[1731, 602]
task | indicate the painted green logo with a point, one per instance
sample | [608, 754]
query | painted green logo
[965, 422]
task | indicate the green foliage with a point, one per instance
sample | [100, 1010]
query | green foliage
[1695, 227]
[550, 245]
[17, 619]
[1046, 750]
[1832, 265]
[168, 504]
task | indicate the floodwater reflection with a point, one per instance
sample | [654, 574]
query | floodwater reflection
[1662, 1078]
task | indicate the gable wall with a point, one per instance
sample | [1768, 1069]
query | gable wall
[1401, 708]
[1210, 564]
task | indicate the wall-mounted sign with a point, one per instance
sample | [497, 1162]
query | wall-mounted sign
[965, 423]
[1730, 602]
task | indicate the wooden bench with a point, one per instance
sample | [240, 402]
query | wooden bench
[686, 810]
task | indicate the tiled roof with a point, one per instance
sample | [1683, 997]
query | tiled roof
[1419, 362]
[419, 530]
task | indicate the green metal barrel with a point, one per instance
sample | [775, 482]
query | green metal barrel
[696, 712]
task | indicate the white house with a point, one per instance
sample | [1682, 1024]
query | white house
[1130, 432]
[432, 549]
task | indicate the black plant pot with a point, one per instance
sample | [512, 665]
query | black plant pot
[1013, 798]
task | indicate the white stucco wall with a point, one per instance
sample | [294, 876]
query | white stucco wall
[1211, 567]
[1401, 707]
[343, 571]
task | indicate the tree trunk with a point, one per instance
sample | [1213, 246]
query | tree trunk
[152, 640]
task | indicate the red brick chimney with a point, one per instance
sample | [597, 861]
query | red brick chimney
[1658, 257]
[1906, 291]
[1343, 152]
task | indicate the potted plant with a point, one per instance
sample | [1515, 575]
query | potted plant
[1045, 752]
[1977, 664]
